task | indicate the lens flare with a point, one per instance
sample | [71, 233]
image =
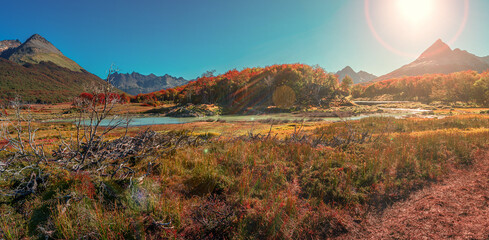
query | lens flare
[417, 13]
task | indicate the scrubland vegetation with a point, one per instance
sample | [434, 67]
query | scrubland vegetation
[469, 87]
[309, 183]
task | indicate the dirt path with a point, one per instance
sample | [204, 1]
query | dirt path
[456, 208]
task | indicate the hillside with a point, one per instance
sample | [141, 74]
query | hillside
[44, 82]
[468, 87]
[357, 77]
[440, 58]
[136, 83]
[486, 59]
[39, 72]
[37, 49]
[250, 89]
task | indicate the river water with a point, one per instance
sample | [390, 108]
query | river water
[159, 120]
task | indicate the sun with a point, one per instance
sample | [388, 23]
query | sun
[416, 11]
[402, 26]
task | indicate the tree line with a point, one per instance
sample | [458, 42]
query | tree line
[466, 86]
[301, 84]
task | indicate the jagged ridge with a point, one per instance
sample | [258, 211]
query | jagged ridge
[8, 44]
[357, 77]
[136, 83]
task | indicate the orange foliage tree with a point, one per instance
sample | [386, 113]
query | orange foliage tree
[466, 86]
[252, 87]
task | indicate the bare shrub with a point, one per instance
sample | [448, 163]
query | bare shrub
[22, 154]
[350, 136]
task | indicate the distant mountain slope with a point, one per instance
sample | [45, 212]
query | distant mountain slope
[359, 77]
[45, 82]
[37, 49]
[440, 58]
[39, 72]
[486, 59]
[6, 44]
[136, 83]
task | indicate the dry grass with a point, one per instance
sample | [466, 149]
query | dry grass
[455, 208]
[247, 188]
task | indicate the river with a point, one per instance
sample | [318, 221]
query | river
[159, 120]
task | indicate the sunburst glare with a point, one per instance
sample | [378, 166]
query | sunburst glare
[416, 11]
[402, 25]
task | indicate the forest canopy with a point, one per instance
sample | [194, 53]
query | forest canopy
[236, 91]
[466, 86]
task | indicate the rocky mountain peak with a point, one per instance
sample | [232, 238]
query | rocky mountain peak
[9, 44]
[36, 37]
[37, 43]
[357, 77]
[438, 48]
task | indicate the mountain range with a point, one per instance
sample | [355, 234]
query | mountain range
[39, 72]
[136, 83]
[7, 44]
[357, 77]
[440, 58]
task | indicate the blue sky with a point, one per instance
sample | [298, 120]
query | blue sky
[188, 37]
